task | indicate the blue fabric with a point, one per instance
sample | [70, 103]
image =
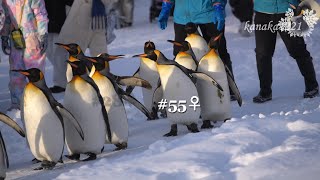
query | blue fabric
[273, 6]
[164, 14]
[196, 11]
[219, 16]
[98, 14]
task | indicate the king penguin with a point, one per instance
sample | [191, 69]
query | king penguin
[178, 83]
[185, 57]
[75, 54]
[112, 95]
[148, 71]
[198, 44]
[44, 119]
[215, 104]
[83, 99]
[4, 161]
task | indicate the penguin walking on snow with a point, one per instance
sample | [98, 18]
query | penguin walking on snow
[185, 57]
[112, 95]
[44, 120]
[178, 83]
[83, 99]
[148, 71]
[4, 161]
[198, 44]
[215, 104]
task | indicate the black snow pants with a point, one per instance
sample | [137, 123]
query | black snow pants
[265, 46]
[242, 9]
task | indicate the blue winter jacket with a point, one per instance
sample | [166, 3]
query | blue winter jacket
[196, 11]
[273, 6]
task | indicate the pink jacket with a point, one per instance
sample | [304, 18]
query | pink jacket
[33, 19]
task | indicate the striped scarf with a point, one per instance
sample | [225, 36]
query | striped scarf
[98, 14]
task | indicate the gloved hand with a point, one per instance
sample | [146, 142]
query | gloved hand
[219, 16]
[6, 48]
[164, 14]
[43, 41]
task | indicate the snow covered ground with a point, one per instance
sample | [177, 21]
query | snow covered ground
[276, 140]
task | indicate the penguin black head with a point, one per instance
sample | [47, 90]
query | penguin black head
[151, 55]
[102, 60]
[73, 49]
[33, 74]
[78, 67]
[149, 46]
[184, 45]
[214, 42]
[191, 28]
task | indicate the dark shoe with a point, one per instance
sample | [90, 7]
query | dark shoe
[57, 89]
[261, 99]
[311, 94]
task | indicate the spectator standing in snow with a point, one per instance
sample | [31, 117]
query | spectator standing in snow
[243, 10]
[57, 56]
[126, 12]
[271, 11]
[27, 21]
[90, 24]
[209, 15]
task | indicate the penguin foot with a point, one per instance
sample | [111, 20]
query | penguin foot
[60, 160]
[154, 115]
[163, 114]
[193, 128]
[206, 125]
[46, 165]
[173, 131]
[227, 120]
[121, 146]
[35, 161]
[91, 157]
[73, 157]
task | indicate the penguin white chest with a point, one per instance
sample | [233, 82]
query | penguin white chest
[199, 46]
[186, 61]
[215, 104]
[82, 101]
[148, 71]
[115, 108]
[178, 86]
[43, 128]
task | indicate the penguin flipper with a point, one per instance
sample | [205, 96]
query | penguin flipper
[205, 77]
[68, 116]
[137, 104]
[7, 120]
[234, 88]
[129, 89]
[157, 96]
[133, 81]
[4, 150]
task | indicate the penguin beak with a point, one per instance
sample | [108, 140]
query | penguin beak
[72, 64]
[113, 57]
[63, 45]
[141, 55]
[175, 43]
[23, 72]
